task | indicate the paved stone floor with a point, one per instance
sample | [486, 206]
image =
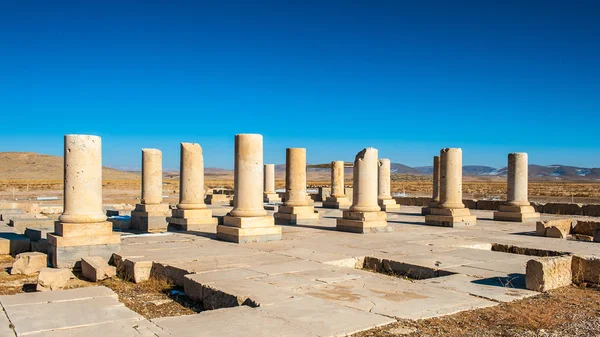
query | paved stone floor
[308, 284]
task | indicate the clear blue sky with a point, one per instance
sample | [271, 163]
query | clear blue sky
[406, 77]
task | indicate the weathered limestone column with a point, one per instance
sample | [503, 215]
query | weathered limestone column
[270, 196]
[365, 215]
[386, 202]
[151, 214]
[191, 212]
[517, 207]
[436, 187]
[82, 229]
[338, 198]
[296, 207]
[451, 211]
[248, 221]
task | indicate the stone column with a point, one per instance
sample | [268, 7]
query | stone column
[82, 228]
[296, 207]
[386, 202]
[295, 177]
[150, 215]
[248, 221]
[451, 211]
[517, 180]
[517, 207]
[338, 197]
[191, 212]
[152, 192]
[365, 215]
[365, 182]
[436, 187]
[270, 196]
[83, 180]
[337, 179]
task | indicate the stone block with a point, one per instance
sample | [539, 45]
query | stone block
[267, 232]
[470, 203]
[40, 246]
[591, 210]
[6, 212]
[547, 273]
[337, 202]
[443, 217]
[36, 234]
[13, 243]
[271, 198]
[516, 213]
[191, 224]
[120, 223]
[581, 237]
[426, 210]
[21, 224]
[70, 256]
[292, 215]
[95, 268]
[118, 212]
[563, 208]
[597, 235]
[249, 222]
[29, 263]
[387, 205]
[148, 222]
[136, 270]
[72, 230]
[53, 279]
[363, 222]
[153, 209]
[586, 269]
[586, 227]
[213, 199]
[562, 227]
[489, 205]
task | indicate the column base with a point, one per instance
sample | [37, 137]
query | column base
[213, 199]
[248, 229]
[363, 222]
[150, 218]
[516, 214]
[426, 210]
[191, 219]
[337, 202]
[291, 215]
[271, 198]
[388, 205]
[450, 217]
[72, 241]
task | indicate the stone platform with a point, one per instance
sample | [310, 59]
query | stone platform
[285, 287]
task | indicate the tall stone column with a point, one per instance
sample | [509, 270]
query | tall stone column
[270, 196]
[296, 207]
[517, 207]
[82, 229]
[151, 214]
[248, 221]
[191, 212]
[451, 211]
[364, 215]
[338, 197]
[386, 202]
[436, 187]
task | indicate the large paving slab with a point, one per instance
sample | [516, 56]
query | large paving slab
[239, 321]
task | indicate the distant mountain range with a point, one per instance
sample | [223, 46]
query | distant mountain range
[29, 165]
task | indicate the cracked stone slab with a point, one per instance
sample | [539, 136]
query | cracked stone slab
[489, 288]
[57, 296]
[230, 322]
[324, 318]
[124, 328]
[42, 317]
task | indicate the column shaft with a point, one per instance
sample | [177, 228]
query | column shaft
[451, 178]
[384, 174]
[365, 182]
[436, 180]
[517, 180]
[82, 180]
[191, 179]
[248, 176]
[269, 183]
[295, 177]
[151, 176]
[337, 179]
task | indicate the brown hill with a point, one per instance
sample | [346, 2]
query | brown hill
[35, 166]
